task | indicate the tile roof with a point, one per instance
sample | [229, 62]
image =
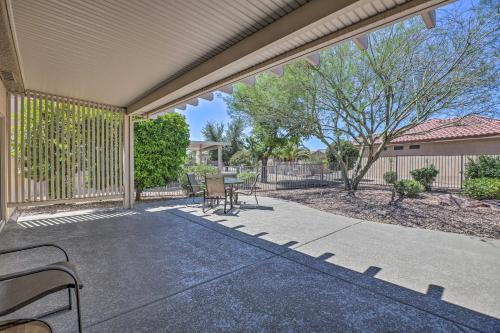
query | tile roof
[454, 128]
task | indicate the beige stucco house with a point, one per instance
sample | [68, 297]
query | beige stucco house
[472, 135]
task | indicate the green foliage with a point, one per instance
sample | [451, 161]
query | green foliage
[346, 150]
[242, 157]
[199, 170]
[233, 135]
[391, 177]
[484, 166]
[482, 188]
[160, 150]
[247, 176]
[292, 151]
[425, 176]
[408, 188]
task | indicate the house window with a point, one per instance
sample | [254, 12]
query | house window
[414, 146]
[398, 147]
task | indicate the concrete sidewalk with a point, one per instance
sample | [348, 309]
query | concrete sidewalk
[164, 267]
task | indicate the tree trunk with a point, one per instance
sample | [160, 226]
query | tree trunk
[138, 194]
[263, 171]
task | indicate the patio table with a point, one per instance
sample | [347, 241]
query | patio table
[233, 184]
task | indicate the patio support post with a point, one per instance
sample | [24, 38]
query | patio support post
[3, 170]
[128, 162]
[219, 157]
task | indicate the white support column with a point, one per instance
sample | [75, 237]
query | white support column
[3, 170]
[128, 162]
[198, 156]
[219, 157]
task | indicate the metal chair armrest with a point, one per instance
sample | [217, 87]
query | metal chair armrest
[40, 270]
[30, 247]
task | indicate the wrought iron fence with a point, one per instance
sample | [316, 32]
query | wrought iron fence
[307, 175]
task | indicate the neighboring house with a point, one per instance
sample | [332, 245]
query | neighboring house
[472, 135]
[319, 154]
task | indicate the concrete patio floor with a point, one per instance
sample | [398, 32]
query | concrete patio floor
[282, 267]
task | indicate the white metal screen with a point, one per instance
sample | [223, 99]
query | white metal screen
[63, 149]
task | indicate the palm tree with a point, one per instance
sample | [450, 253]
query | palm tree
[292, 151]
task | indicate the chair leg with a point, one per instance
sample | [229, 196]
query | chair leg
[78, 312]
[256, 200]
[69, 298]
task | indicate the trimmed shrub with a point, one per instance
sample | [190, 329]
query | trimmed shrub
[425, 176]
[408, 188]
[390, 177]
[483, 167]
[247, 176]
[482, 188]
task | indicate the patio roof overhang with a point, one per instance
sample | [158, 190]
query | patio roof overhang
[151, 57]
[205, 145]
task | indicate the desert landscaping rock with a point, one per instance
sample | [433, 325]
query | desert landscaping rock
[436, 211]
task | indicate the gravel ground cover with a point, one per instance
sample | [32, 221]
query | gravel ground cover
[436, 211]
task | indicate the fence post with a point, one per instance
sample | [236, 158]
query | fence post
[275, 177]
[397, 173]
[461, 171]
[322, 175]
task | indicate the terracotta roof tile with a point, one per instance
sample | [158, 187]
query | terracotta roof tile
[468, 127]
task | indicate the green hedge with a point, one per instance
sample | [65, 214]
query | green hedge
[483, 167]
[482, 188]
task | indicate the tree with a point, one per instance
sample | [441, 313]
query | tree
[251, 104]
[262, 143]
[213, 132]
[292, 151]
[242, 157]
[347, 151]
[160, 150]
[407, 75]
[233, 136]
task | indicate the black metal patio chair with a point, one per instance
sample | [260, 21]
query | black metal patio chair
[20, 289]
[195, 189]
[249, 190]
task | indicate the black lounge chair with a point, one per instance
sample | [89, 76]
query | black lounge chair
[20, 289]
[250, 190]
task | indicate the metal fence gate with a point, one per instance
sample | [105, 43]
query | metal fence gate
[62, 150]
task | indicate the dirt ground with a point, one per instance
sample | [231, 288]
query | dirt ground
[437, 211]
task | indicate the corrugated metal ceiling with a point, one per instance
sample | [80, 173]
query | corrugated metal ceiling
[113, 51]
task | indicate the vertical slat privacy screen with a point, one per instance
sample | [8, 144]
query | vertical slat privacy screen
[62, 149]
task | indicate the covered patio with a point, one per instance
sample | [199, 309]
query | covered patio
[75, 76]
[283, 267]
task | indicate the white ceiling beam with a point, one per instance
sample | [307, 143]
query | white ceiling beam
[227, 89]
[193, 102]
[429, 18]
[388, 17]
[208, 96]
[361, 42]
[249, 81]
[313, 59]
[278, 71]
